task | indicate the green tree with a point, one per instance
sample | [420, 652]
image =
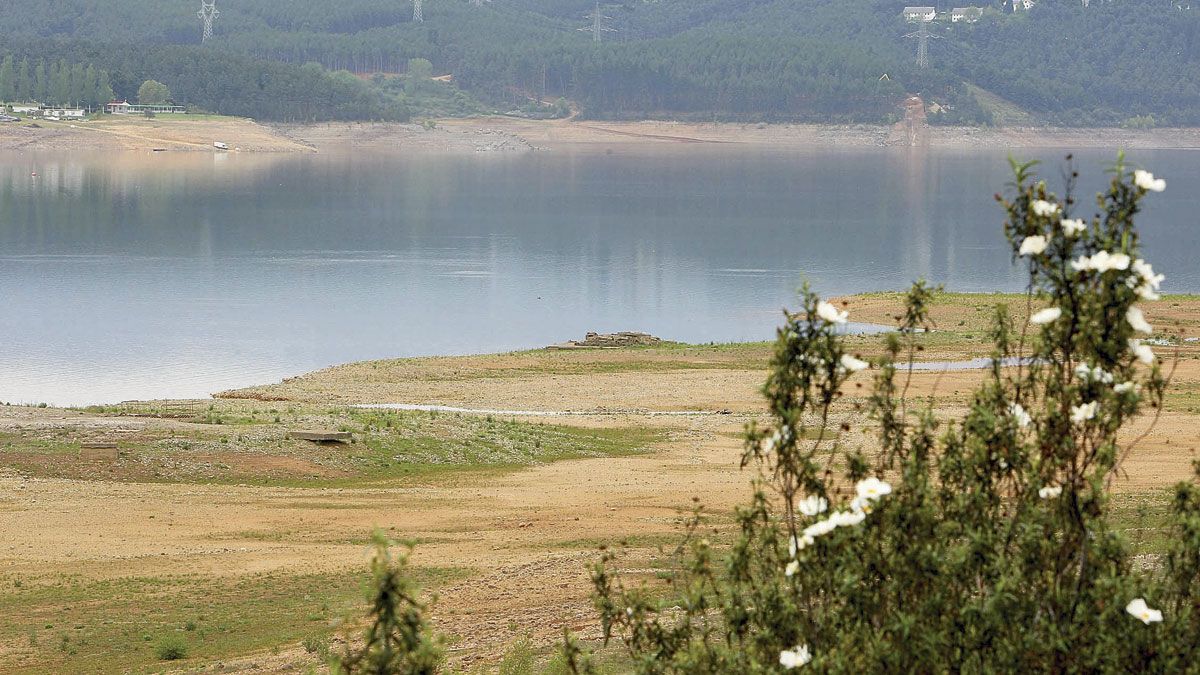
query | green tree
[24, 82]
[153, 92]
[60, 82]
[419, 73]
[41, 86]
[397, 641]
[8, 84]
[79, 85]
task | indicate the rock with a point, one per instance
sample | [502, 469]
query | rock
[610, 340]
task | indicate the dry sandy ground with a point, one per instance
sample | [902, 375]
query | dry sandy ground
[562, 134]
[528, 534]
[501, 134]
[118, 134]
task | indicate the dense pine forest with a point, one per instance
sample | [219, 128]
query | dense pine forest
[1123, 62]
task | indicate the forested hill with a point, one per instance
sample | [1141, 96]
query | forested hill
[1133, 62]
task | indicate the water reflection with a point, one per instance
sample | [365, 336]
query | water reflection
[138, 276]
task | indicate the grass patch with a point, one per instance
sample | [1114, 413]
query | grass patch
[1143, 518]
[68, 625]
[255, 449]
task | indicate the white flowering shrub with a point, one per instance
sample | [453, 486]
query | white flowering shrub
[978, 544]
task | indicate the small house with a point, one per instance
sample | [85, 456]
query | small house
[127, 108]
[920, 14]
[966, 14]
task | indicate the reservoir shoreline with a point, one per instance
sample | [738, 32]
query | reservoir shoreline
[504, 134]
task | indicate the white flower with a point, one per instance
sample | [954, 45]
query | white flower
[1138, 609]
[1085, 412]
[791, 569]
[1073, 227]
[1043, 208]
[772, 442]
[872, 488]
[1048, 315]
[1033, 245]
[820, 528]
[1142, 352]
[1137, 319]
[794, 658]
[1147, 181]
[1102, 261]
[829, 313]
[813, 505]
[852, 364]
[862, 505]
[1125, 387]
[847, 518]
[1145, 282]
[797, 544]
[1018, 413]
[1097, 374]
[1050, 491]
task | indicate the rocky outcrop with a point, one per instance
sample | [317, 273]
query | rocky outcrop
[610, 340]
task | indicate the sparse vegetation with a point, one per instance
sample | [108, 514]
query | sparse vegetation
[398, 639]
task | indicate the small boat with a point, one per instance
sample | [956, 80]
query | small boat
[220, 146]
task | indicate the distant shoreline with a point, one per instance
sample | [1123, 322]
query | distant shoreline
[513, 135]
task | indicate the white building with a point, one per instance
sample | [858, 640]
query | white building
[127, 108]
[918, 14]
[25, 109]
[965, 14]
[65, 113]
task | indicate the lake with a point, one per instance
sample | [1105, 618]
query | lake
[167, 276]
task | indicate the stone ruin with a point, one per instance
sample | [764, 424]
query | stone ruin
[623, 339]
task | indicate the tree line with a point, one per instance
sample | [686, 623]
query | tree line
[53, 83]
[770, 60]
[227, 83]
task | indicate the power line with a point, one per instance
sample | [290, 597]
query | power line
[598, 26]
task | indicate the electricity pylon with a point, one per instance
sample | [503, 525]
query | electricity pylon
[479, 3]
[923, 37]
[598, 28]
[208, 12]
[418, 17]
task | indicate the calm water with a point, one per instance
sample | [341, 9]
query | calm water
[152, 276]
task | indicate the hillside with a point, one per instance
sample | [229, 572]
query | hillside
[1133, 62]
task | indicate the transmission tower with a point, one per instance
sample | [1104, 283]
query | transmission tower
[923, 37]
[598, 27]
[208, 12]
[418, 17]
[479, 3]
